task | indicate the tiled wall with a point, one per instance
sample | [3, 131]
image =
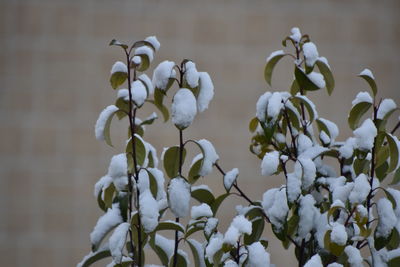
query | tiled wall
[54, 67]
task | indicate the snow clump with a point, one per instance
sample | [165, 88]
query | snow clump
[270, 163]
[206, 91]
[102, 120]
[258, 257]
[230, 177]
[310, 53]
[210, 157]
[365, 135]
[119, 67]
[179, 197]
[162, 73]
[183, 108]
[275, 206]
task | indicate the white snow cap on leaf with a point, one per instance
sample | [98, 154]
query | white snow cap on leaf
[324, 60]
[387, 218]
[213, 246]
[310, 53]
[179, 197]
[275, 206]
[274, 54]
[145, 50]
[183, 108]
[202, 210]
[103, 183]
[191, 74]
[102, 120]
[167, 245]
[317, 79]
[230, 177]
[118, 171]
[315, 261]
[148, 211]
[159, 175]
[354, 256]
[258, 257]
[143, 183]
[117, 241]
[365, 135]
[367, 72]
[385, 107]
[139, 93]
[335, 264]
[105, 223]
[307, 214]
[296, 34]
[154, 42]
[162, 73]
[240, 225]
[261, 106]
[339, 234]
[332, 128]
[362, 97]
[210, 226]
[396, 195]
[230, 263]
[136, 60]
[360, 190]
[346, 150]
[146, 80]
[270, 163]
[293, 186]
[119, 67]
[210, 157]
[206, 91]
[305, 168]
[303, 143]
[275, 106]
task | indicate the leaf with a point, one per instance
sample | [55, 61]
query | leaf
[140, 150]
[391, 198]
[336, 249]
[382, 155]
[95, 256]
[118, 43]
[106, 132]
[171, 161]
[308, 104]
[394, 152]
[253, 124]
[144, 63]
[257, 230]
[181, 260]
[193, 230]
[304, 82]
[356, 112]
[123, 108]
[217, 202]
[153, 184]
[381, 171]
[371, 83]
[396, 177]
[203, 195]
[328, 77]
[162, 255]
[294, 88]
[100, 201]
[170, 225]
[194, 171]
[269, 67]
[118, 78]
[394, 241]
[197, 251]
[108, 195]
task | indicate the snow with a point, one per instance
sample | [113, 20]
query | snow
[146, 80]
[367, 72]
[123, 260]
[346, 150]
[270, 163]
[396, 195]
[275, 206]
[137, 60]
[307, 213]
[153, 151]
[275, 106]
[210, 157]
[118, 171]
[293, 187]
[102, 120]
[230, 177]
[105, 223]
[210, 226]
[274, 54]
[310, 53]
[339, 234]
[117, 241]
[230, 263]
[306, 99]
[362, 211]
[145, 50]
[103, 183]
[240, 225]
[362, 97]
[305, 168]
[119, 67]
[148, 211]
[315, 261]
[191, 74]
[231, 236]
[261, 106]
[385, 107]
[162, 73]
[354, 257]
[139, 93]
[165, 244]
[214, 244]
[183, 108]
[153, 40]
[102, 249]
[360, 190]
[317, 79]
[200, 251]
[202, 210]
[324, 60]
[295, 34]
[303, 143]
[365, 135]
[206, 91]
[179, 197]
[335, 264]
[159, 175]
[337, 203]
[332, 128]
[387, 218]
[258, 257]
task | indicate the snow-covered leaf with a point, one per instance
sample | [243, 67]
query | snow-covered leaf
[368, 76]
[118, 43]
[170, 225]
[312, 113]
[171, 160]
[161, 247]
[146, 55]
[394, 152]
[102, 128]
[272, 60]
[356, 112]
[304, 81]
[195, 170]
[118, 240]
[327, 73]
[118, 78]
[140, 149]
[181, 260]
[253, 124]
[93, 257]
[203, 195]
[198, 252]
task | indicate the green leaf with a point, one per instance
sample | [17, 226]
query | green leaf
[171, 161]
[203, 195]
[118, 78]
[382, 155]
[118, 43]
[95, 256]
[371, 83]
[193, 230]
[153, 183]
[106, 132]
[394, 152]
[159, 251]
[356, 112]
[300, 99]
[217, 202]
[170, 225]
[253, 124]
[140, 149]
[381, 171]
[394, 241]
[269, 67]
[108, 195]
[395, 262]
[145, 62]
[294, 88]
[391, 198]
[181, 261]
[336, 249]
[328, 77]
[396, 177]
[381, 242]
[304, 82]
[123, 108]
[100, 201]
[197, 251]
[194, 171]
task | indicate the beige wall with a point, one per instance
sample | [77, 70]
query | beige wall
[54, 67]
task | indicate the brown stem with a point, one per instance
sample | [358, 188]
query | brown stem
[176, 245]
[395, 128]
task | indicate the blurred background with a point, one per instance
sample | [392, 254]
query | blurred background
[54, 72]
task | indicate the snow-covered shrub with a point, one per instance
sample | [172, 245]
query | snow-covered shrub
[332, 214]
